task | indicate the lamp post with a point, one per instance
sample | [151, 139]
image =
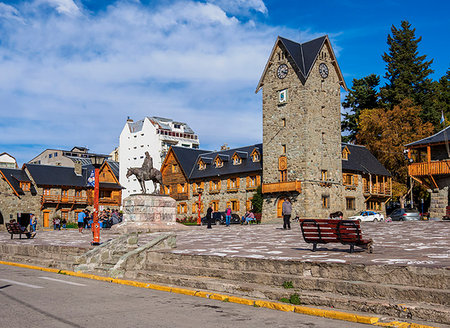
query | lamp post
[97, 161]
[199, 207]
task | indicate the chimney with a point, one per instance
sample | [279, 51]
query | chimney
[129, 120]
[78, 168]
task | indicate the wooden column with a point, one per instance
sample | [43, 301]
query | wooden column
[429, 159]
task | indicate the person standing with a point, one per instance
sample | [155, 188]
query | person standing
[209, 216]
[286, 212]
[80, 219]
[34, 222]
[228, 216]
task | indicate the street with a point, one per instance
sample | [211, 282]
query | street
[31, 298]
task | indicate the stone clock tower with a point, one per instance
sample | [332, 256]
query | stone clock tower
[301, 129]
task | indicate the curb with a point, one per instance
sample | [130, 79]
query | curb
[330, 314]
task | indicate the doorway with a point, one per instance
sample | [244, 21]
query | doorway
[46, 219]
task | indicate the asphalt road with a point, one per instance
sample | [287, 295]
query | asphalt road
[30, 298]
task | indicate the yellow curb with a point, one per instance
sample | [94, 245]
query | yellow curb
[232, 299]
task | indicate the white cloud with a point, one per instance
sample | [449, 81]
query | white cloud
[241, 6]
[67, 7]
[10, 13]
[69, 82]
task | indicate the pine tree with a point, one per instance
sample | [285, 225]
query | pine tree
[257, 200]
[407, 72]
[362, 95]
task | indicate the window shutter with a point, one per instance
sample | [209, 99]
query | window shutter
[228, 183]
[356, 179]
[218, 185]
[237, 182]
[258, 180]
[237, 205]
[228, 204]
[210, 185]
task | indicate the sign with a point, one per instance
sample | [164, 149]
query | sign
[91, 179]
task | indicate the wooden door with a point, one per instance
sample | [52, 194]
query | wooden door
[46, 219]
[280, 208]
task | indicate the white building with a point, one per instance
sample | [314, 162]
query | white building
[8, 161]
[152, 134]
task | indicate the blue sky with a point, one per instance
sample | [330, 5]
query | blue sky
[71, 71]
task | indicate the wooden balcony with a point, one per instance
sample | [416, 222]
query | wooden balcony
[112, 201]
[180, 196]
[429, 168]
[58, 199]
[276, 187]
[381, 189]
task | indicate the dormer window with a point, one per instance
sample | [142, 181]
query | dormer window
[255, 156]
[25, 186]
[345, 153]
[201, 165]
[236, 159]
[218, 162]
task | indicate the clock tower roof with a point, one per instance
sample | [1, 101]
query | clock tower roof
[302, 57]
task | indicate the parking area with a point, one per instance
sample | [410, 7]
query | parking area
[395, 243]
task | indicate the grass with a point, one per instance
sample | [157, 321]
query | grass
[288, 284]
[293, 299]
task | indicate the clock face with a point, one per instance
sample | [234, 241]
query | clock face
[323, 70]
[282, 71]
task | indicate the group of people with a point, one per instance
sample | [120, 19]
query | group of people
[106, 218]
[57, 223]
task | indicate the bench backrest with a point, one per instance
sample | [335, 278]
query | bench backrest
[322, 231]
[14, 228]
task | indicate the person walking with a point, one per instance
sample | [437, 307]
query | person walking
[209, 218]
[34, 222]
[80, 220]
[228, 216]
[286, 212]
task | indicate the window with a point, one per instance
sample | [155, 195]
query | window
[350, 203]
[78, 193]
[218, 162]
[64, 192]
[49, 155]
[174, 168]
[283, 175]
[177, 126]
[166, 190]
[182, 208]
[195, 207]
[345, 153]
[248, 204]
[283, 149]
[56, 154]
[251, 181]
[201, 165]
[324, 175]
[233, 184]
[25, 186]
[65, 215]
[214, 186]
[325, 201]
[236, 159]
[105, 194]
[46, 191]
[255, 156]
[283, 122]
[234, 204]
[182, 188]
[350, 179]
[373, 205]
[215, 205]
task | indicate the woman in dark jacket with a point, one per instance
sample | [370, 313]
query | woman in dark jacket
[209, 216]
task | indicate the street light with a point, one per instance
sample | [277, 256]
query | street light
[97, 161]
[199, 207]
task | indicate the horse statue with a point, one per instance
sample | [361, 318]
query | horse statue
[146, 173]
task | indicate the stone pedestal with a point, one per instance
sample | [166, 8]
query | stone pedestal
[148, 213]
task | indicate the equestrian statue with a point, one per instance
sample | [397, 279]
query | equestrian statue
[147, 173]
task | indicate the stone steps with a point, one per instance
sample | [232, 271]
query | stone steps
[405, 310]
[341, 287]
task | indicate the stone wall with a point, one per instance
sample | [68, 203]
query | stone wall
[439, 202]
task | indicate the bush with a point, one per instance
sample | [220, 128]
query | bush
[288, 284]
[71, 225]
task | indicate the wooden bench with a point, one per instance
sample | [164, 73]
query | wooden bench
[324, 231]
[15, 229]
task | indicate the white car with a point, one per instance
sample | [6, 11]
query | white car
[368, 216]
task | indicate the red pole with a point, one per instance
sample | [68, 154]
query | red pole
[199, 219]
[96, 224]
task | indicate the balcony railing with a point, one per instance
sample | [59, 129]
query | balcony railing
[281, 187]
[180, 196]
[378, 189]
[63, 199]
[432, 168]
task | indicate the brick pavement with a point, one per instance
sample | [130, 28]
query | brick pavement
[395, 243]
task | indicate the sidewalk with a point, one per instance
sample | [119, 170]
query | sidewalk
[396, 243]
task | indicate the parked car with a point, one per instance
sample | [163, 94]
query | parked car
[405, 214]
[220, 218]
[368, 216]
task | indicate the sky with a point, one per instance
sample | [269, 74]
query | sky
[72, 71]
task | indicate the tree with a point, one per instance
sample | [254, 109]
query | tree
[442, 97]
[407, 73]
[385, 132]
[257, 200]
[362, 95]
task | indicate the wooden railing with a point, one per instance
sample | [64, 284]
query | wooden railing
[281, 187]
[180, 196]
[432, 168]
[63, 199]
[378, 189]
[110, 201]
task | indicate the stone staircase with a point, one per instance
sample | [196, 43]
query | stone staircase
[417, 293]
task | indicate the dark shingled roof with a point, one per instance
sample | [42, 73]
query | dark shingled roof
[361, 159]
[247, 164]
[14, 177]
[303, 54]
[51, 175]
[441, 136]
[187, 157]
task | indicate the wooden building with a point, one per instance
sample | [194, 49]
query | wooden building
[430, 166]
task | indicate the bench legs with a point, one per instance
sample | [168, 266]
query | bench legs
[314, 247]
[352, 248]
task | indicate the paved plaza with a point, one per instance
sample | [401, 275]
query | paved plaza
[395, 243]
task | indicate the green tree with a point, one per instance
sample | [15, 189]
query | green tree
[257, 200]
[407, 73]
[362, 95]
[442, 98]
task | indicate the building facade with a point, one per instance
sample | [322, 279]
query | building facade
[430, 166]
[154, 135]
[7, 161]
[68, 158]
[49, 191]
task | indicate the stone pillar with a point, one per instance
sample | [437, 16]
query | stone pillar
[148, 213]
[439, 202]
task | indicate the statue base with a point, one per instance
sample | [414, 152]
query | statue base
[148, 213]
